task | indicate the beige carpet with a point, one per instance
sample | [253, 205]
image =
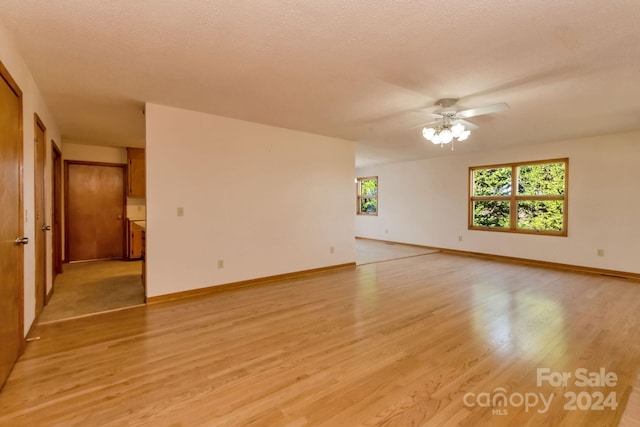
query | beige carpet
[91, 287]
[368, 251]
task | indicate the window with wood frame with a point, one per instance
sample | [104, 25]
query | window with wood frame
[367, 196]
[527, 197]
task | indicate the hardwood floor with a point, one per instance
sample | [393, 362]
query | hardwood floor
[397, 343]
[631, 416]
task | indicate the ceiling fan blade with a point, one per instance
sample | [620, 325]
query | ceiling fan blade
[468, 125]
[425, 124]
[495, 108]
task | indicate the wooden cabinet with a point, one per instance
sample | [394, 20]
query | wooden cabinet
[136, 183]
[135, 241]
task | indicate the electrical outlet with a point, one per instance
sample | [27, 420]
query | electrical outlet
[331, 249]
[180, 211]
[459, 238]
[220, 263]
[600, 252]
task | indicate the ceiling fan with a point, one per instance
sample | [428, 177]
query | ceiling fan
[450, 124]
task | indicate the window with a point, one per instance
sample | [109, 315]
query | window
[538, 204]
[367, 200]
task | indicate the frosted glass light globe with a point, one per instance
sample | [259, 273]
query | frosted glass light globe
[445, 136]
[457, 129]
[464, 135]
[428, 133]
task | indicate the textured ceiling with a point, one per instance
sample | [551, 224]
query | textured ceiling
[351, 69]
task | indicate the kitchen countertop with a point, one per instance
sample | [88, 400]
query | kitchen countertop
[141, 223]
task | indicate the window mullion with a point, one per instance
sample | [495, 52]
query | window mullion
[479, 198]
[513, 202]
[542, 198]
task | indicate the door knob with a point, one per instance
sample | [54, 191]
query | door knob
[46, 227]
[22, 240]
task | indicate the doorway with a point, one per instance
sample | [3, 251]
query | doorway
[11, 225]
[97, 277]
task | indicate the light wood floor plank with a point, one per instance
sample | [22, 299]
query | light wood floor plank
[396, 343]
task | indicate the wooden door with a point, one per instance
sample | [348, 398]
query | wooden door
[94, 210]
[11, 225]
[40, 220]
[56, 204]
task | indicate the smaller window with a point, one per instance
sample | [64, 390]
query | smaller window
[367, 199]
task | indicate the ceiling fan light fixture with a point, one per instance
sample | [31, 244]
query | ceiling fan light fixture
[451, 124]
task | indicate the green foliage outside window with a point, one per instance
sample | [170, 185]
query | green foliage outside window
[369, 206]
[492, 182]
[491, 213]
[541, 215]
[369, 187]
[541, 179]
[538, 205]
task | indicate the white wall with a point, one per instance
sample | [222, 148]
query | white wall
[32, 102]
[265, 200]
[425, 202]
[94, 153]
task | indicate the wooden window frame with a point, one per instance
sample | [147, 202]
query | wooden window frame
[360, 196]
[514, 198]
